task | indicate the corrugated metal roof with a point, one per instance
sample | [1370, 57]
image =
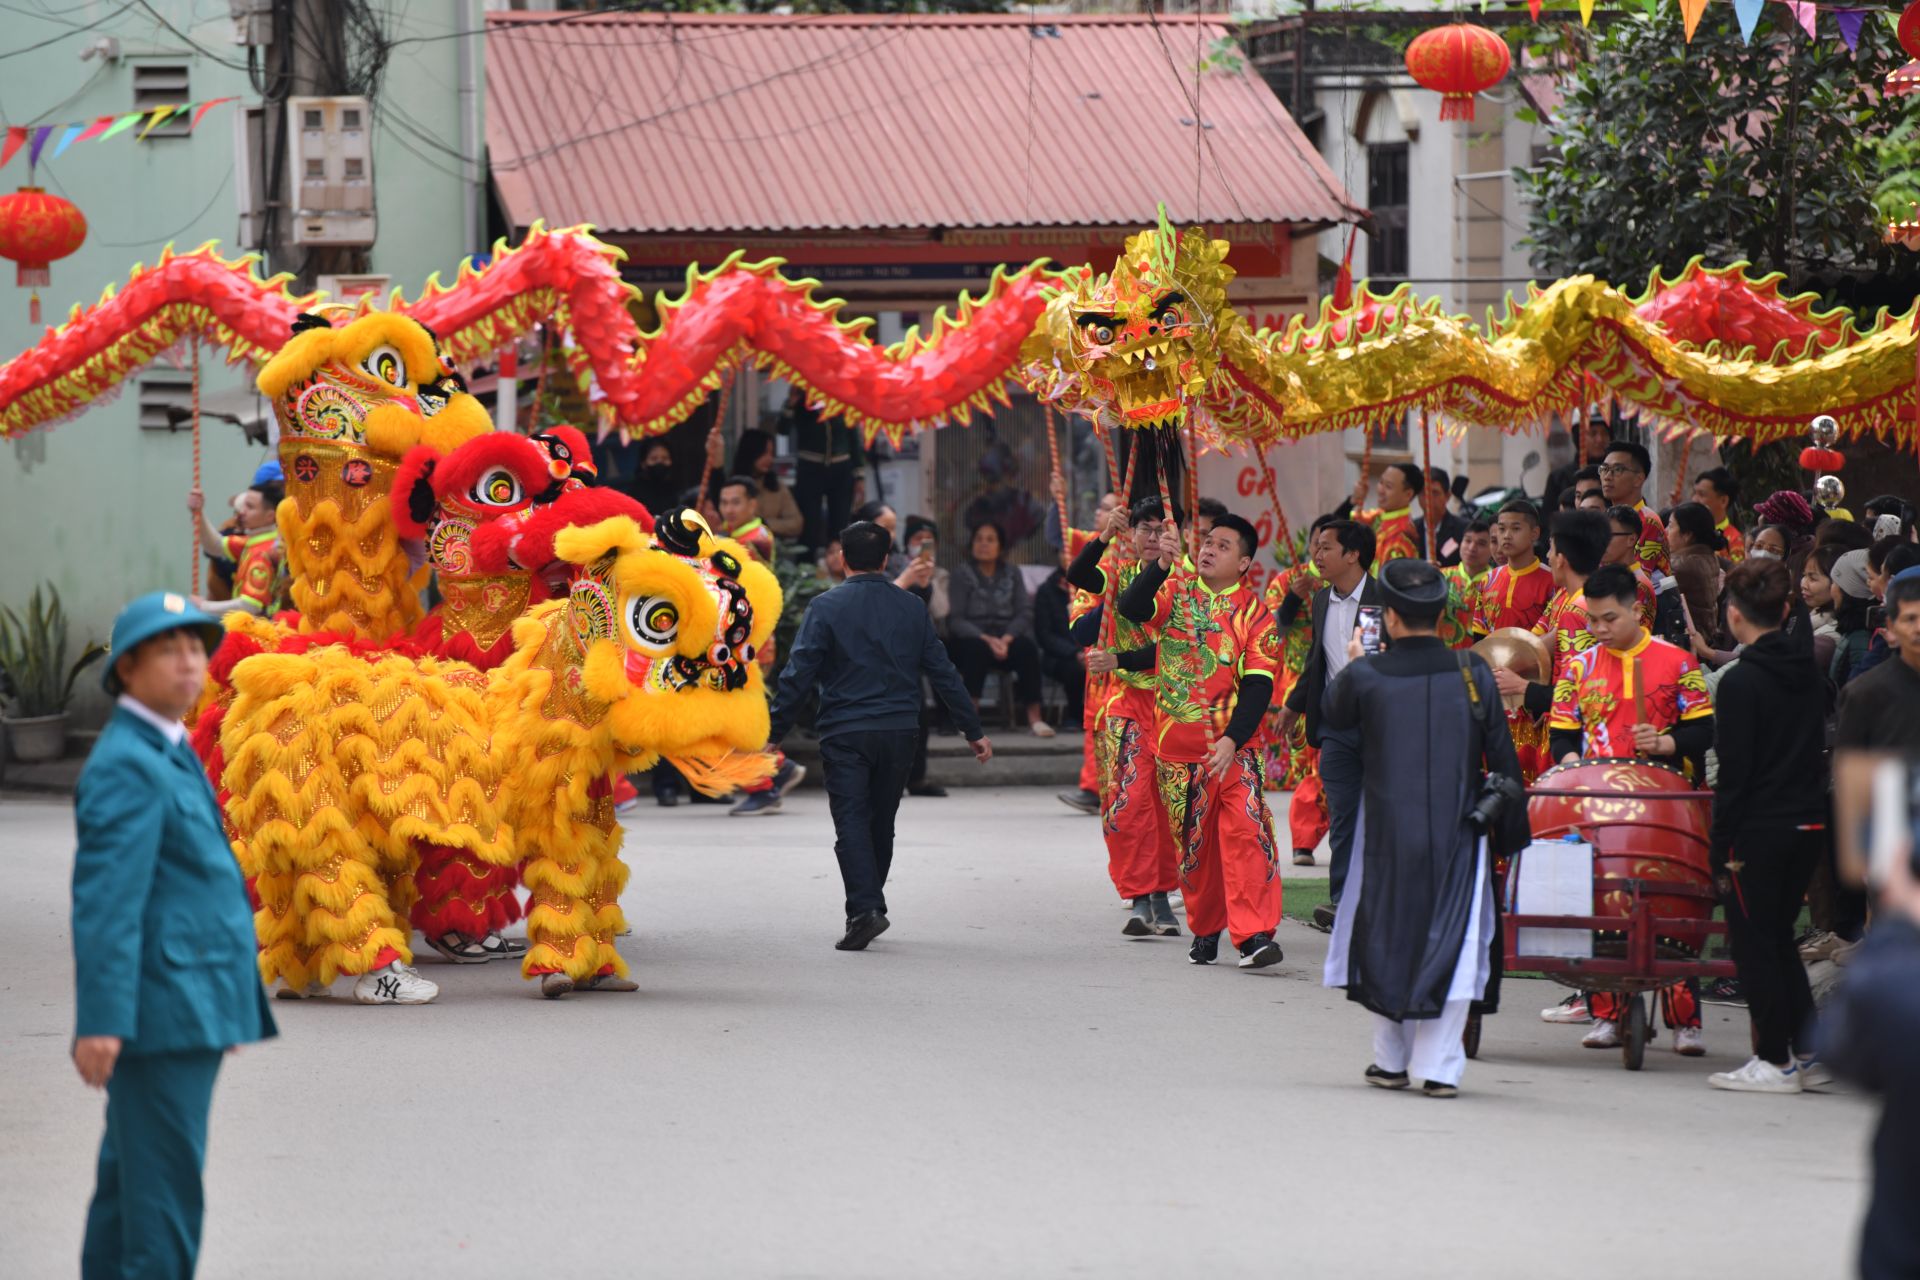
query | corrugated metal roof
[774, 123]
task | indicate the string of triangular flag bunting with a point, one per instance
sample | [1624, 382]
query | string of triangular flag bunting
[1748, 14]
[33, 138]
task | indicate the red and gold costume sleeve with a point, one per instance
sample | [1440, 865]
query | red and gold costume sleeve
[1652, 546]
[1646, 600]
[1736, 542]
[1208, 641]
[1510, 598]
[1077, 540]
[1392, 535]
[256, 558]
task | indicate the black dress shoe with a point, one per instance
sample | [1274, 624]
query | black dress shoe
[1259, 951]
[1205, 948]
[1084, 801]
[1387, 1079]
[861, 930]
[666, 799]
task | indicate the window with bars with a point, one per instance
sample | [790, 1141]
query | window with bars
[163, 84]
[1387, 198]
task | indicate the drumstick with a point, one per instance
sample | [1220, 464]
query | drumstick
[1639, 693]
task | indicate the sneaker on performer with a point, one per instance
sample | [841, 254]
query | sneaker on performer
[788, 776]
[1140, 922]
[1604, 1035]
[1086, 802]
[395, 984]
[1259, 951]
[1810, 1071]
[1689, 1043]
[1758, 1076]
[1303, 857]
[757, 804]
[1572, 1009]
[1165, 924]
[1205, 948]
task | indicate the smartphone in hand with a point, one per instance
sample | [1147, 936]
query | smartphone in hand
[1373, 633]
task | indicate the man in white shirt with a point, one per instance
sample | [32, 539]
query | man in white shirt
[1343, 552]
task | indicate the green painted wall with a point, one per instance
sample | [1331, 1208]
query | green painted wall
[96, 504]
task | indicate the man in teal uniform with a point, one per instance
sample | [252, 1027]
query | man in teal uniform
[163, 947]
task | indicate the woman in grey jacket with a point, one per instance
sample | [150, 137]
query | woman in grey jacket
[990, 624]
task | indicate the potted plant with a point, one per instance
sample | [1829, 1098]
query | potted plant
[35, 681]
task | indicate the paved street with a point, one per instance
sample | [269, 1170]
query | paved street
[1002, 1086]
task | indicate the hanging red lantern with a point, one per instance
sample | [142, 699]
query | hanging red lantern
[36, 230]
[1458, 61]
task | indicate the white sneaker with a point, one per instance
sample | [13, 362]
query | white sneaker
[395, 984]
[312, 991]
[1605, 1035]
[1811, 1072]
[1758, 1076]
[1572, 1009]
[1689, 1043]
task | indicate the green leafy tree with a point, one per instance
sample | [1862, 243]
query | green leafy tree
[1783, 153]
[1774, 152]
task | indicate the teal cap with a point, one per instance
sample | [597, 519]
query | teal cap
[152, 614]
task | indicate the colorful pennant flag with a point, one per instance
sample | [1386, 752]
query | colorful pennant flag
[1747, 12]
[1805, 13]
[1586, 13]
[1850, 20]
[1533, 8]
[124, 122]
[34, 138]
[1690, 11]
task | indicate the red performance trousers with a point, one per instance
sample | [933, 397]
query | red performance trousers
[1139, 846]
[1089, 746]
[1679, 1004]
[1307, 813]
[1229, 870]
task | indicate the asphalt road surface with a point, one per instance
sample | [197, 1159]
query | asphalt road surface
[1001, 1086]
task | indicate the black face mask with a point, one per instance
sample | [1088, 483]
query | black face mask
[658, 472]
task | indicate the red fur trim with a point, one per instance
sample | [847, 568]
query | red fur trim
[582, 507]
[527, 461]
[233, 650]
[491, 545]
[459, 895]
[416, 469]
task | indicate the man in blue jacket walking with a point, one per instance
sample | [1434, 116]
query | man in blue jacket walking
[865, 645]
[164, 959]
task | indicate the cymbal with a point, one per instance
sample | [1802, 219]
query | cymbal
[1521, 652]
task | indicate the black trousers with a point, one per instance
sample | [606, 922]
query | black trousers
[1761, 910]
[817, 482]
[866, 771]
[971, 655]
[1073, 677]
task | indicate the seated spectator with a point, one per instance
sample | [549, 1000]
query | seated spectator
[923, 547]
[753, 458]
[1060, 656]
[991, 625]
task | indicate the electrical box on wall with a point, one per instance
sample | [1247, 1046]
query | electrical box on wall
[330, 170]
[352, 288]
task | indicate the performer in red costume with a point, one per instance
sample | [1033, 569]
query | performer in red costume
[1716, 489]
[1632, 695]
[1515, 592]
[254, 550]
[1623, 477]
[1140, 857]
[1392, 520]
[1217, 657]
[1293, 763]
[1082, 616]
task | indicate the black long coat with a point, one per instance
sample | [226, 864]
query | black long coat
[1427, 746]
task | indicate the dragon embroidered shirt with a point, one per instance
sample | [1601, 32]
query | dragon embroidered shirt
[1208, 642]
[1604, 692]
[1510, 597]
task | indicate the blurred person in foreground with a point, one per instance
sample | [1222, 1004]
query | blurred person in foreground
[865, 646]
[163, 946]
[1870, 1035]
[1412, 941]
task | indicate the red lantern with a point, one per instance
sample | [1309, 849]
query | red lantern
[1458, 61]
[37, 229]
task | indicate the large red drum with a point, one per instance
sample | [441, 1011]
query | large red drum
[1645, 822]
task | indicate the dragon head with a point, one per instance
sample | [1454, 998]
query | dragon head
[667, 625]
[1139, 342]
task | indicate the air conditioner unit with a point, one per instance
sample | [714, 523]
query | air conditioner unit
[330, 171]
[352, 288]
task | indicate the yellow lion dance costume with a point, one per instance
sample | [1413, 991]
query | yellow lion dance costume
[340, 750]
